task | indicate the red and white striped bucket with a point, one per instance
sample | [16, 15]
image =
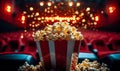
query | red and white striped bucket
[57, 53]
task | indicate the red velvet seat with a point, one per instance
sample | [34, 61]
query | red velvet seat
[84, 47]
[100, 45]
[114, 44]
[13, 45]
[102, 48]
[2, 44]
[30, 45]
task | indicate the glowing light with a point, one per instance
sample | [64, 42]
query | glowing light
[32, 13]
[102, 12]
[8, 8]
[77, 4]
[28, 16]
[91, 15]
[24, 12]
[31, 8]
[41, 3]
[111, 9]
[45, 10]
[33, 22]
[51, 11]
[76, 12]
[48, 11]
[31, 16]
[96, 18]
[52, 20]
[74, 21]
[95, 23]
[39, 18]
[70, 3]
[60, 18]
[30, 24]
[77, 18]
[82, 14]
[33, 25]
[34, 18]
[55, 7]
[25, 30]
[23, 19]
[83, 20]
[49, 3]
[37, 14]
[42, 17]
[93, 18]
[87, 9]
[21, 36]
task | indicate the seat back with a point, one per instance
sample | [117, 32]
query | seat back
[12, 62]
[30, 45]
[84, 47]
[100, 45]
[115, 44]
[13, 45]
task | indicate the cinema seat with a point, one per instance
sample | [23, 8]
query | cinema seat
[101, 46]
[84, 46]
[2, 45]
[113, 61]
[114, 44]
[83, 55]
[13, 45]
[30, 45]
[11, 62]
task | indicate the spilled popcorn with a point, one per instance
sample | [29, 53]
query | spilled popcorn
[58, 31]
[27, 67]
[86, 65]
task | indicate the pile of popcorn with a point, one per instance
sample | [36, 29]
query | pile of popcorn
[86, 65]
[28, 67]
[58, 31]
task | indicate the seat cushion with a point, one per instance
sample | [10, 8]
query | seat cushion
[13, 61]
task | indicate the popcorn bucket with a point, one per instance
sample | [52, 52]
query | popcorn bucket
[57, 54]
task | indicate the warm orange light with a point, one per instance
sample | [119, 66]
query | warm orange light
[21, 36]
[38, 18]
[82, 14]
[8, 8]
[55, 7]
[95, 23]
[41, 3]
[31, 8]
[37, 14]
[96, 18]
[111, 9]
[70, 3]
[76, 12]
[49, 3]
[23, 19]
[77, 4]
[83, 20]
[87, 9]
[24, 12]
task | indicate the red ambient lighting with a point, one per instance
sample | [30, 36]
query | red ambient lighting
[23, 19]
[96, 18]
[111, 9]
[8, 8]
